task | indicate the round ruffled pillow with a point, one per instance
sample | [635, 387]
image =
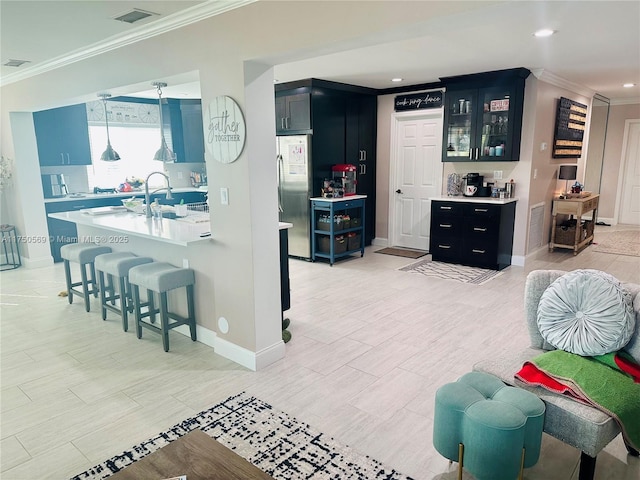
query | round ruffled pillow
[586, 312]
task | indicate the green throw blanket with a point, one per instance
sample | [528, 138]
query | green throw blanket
[599, 381]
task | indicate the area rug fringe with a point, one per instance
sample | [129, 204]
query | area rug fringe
[272, 440]
[451, 271]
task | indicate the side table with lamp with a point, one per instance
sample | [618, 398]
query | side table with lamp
[582, 235]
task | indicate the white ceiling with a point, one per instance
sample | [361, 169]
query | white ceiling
[596, 47]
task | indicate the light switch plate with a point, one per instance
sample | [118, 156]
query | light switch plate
[497, 174]
[224, 196]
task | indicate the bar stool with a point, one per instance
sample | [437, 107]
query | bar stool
[160, 277]
[83, 254]
[117, 265]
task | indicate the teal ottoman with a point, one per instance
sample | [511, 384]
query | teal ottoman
[489, 428]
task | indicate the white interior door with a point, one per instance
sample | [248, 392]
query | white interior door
[630, 193]
[417, 166]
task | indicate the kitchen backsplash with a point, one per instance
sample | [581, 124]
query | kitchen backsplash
[80, 180]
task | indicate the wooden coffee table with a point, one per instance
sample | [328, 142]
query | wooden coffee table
[196, 455]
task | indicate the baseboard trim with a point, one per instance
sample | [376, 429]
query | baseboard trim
[37, 262]
[518, 260]
[380, 242]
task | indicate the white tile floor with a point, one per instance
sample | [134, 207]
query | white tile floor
[370, 347]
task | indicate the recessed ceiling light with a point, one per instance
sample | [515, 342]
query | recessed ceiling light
[545, 32]
[629, 85]
[397, 79]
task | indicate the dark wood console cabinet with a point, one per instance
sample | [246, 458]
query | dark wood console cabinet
[473, 234]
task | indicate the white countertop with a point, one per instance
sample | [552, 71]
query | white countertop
[341, 199]
[138, 193]
[462, 198]
[284, 225]
[177, 232]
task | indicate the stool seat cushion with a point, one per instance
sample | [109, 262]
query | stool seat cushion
[161, 276]
[119, 263]
[494, 422]
[82, 252]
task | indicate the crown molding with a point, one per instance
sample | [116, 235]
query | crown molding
[553, 79]
[171, 22]
[625, 101]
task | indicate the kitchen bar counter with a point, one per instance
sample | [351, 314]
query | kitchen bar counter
[462, 198]
[173, 231]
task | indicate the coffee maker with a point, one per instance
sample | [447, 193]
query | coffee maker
[473, 184]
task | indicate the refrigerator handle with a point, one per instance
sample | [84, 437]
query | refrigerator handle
[280, 179]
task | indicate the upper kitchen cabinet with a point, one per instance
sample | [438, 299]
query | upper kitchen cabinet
[187, 133]
[483, 116]
[293, 111]
[62, 136]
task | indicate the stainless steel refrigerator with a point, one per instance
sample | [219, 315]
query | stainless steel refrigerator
[294, 190]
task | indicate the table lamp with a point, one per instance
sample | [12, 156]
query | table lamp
[567, 173]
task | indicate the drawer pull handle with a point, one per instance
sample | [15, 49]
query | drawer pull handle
[445, 225]
[478, 251]
[484, 210]
[445, 208]
[478, 229]
[446, 247]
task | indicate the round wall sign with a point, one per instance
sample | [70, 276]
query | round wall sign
[226, 130]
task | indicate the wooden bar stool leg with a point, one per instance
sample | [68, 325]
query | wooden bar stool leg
[123, 304]
[94, 287]
[136, 309]
[67, 275]
[152, 306]
[191, 311]
[164, 321]
[85, 287]
[103, 299]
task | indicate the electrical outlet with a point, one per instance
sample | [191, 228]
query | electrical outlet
[535, 173]
[185, 263]
[179, 175]
[497, 174]
[224, 196]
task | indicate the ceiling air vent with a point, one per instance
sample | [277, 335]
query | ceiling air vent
[15, 63]
[134, 15]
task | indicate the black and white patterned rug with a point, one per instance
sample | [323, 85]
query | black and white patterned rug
[273, 441]
[452, 271]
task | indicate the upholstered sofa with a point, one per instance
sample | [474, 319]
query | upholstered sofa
[583, 427]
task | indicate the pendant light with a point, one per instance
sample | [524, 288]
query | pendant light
[109, 155]
[164, 153]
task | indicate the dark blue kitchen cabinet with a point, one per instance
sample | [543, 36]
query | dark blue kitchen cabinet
[187, 131]
[62, 136]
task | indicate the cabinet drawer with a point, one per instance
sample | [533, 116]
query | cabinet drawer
[445, 226]
[478, 252]
[481, 210]
[446, 208]
[445, 247]
[484, 228]
[590, 204]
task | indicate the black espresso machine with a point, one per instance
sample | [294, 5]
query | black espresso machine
[476, 180]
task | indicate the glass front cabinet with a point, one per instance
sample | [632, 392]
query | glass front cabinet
[483, 123]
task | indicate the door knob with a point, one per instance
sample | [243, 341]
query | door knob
[398, 191]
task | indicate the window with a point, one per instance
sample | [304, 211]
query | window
[134, 131]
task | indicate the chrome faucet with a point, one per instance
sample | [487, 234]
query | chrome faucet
[147, 200]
